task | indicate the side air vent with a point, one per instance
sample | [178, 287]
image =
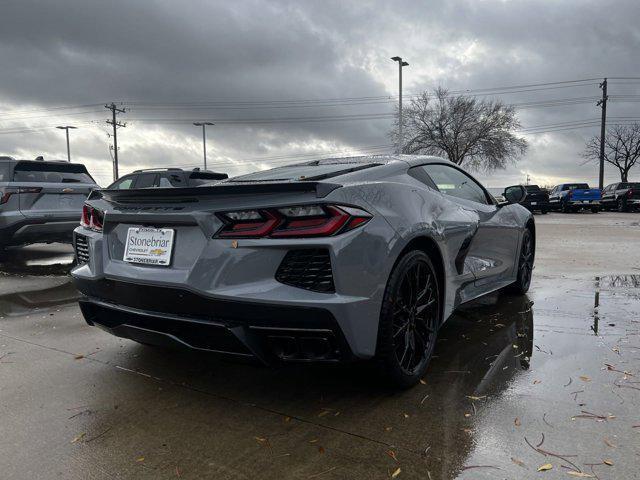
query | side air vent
[309, 269]
[82, 248]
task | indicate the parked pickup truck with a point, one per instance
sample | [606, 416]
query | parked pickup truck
[572, 197]
[536, 199]
[622, 196]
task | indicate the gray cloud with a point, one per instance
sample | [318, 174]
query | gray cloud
[78, 52]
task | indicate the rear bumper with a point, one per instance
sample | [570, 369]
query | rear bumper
[581, 203]
[538, 205]
[175, 317]
[36, 230]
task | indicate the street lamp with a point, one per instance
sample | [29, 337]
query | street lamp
[401, 64]
[204, 139]
[67, 127]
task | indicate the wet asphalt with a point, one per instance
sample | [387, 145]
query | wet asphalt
[547, 381]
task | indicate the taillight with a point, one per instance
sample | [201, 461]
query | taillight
[630, 193]
[295, 221]
[8, 191]
[92, 218]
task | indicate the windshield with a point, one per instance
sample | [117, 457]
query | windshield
[51, 173]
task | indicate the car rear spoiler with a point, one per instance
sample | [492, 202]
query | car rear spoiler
[191, 194]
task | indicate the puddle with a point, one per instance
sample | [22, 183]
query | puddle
[21, 303]
[54, 259]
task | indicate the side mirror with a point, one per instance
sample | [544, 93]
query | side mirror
[514, 194]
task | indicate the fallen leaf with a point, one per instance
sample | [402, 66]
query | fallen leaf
[467, 415]
[573, 473]
[320, 449]
[392, 454]
[396, 473]
[79, 437]
[517, 462]
[141, 459]
[388, 429]
[406, 415]
[423, 382]
[78, 357]
[608, 462]
[608, 443]
[287, 419]
[260, 439]
[516, 422]
[545, 467]
[584, 378]
[313, 441]
[535, 382]
[471, 397]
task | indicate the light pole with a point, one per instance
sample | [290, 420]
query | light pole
[204, 139]
[67, 127]
[401, 64]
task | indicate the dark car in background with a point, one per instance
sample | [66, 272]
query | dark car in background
[536, 199]
[166, 178]
[573, 197]
[41, 201]
[623, 196]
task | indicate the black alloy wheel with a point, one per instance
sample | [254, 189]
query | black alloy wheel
[622, 205]
[409, 319]
[525, 264]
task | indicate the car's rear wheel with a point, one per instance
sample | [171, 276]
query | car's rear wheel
[543, 211]
[622, 205]
[595, 209]
[409, 319]
[525, 265]
[566, 208]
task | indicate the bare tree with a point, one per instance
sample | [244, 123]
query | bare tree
[621, 148]
[478, 134]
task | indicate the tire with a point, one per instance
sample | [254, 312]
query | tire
[525, 265]
[622, 205]
[409, 320]
[566, 208]
[595, 210]
[543, 211]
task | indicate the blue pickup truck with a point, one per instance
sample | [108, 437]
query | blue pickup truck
[572, 197]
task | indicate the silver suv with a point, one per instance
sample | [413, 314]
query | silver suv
[41, 201]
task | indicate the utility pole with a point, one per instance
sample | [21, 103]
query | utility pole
[114, 111]
[204, 139]
[603, 130]
[401, 64]
[67, 127]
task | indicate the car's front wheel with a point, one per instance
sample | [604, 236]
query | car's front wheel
[622, 205]
[409, 319]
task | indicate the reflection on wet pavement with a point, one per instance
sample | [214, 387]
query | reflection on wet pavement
[39, 259]
[517, 383]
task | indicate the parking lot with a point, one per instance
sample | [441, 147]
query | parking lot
[548, 381]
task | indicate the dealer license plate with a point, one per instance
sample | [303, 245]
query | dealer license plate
[151, 246]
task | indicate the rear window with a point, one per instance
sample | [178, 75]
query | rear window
[576, 186]
[532, 188]
[302, 172]
[41, 172]
[4, 173]
[629, 185]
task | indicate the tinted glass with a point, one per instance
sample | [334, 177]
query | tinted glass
[575, 186]
[51, 173]
[202, 178]
[629, 185]
[532, 188]
[168, 180]
[146, 180]
[4, 173]
[456, 183]
[122, 184]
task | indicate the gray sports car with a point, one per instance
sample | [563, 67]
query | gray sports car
[325, 261]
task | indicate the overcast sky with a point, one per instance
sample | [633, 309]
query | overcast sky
[239, 63]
